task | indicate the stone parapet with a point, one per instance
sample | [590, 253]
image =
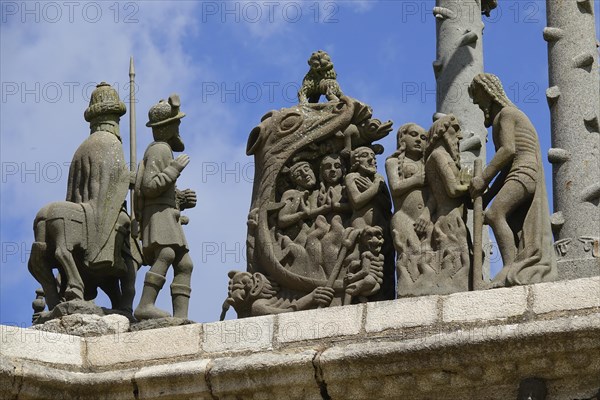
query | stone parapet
[461, 346]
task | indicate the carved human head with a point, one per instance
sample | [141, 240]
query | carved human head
[363, 161]
[371, 239]
[411, 139]
[302, 175]
[164, 119]
[245, 287]
[446, 130]
[486, 90]
[332, 169]
[105, 107]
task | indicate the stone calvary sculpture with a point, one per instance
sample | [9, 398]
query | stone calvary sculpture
[158, 206]
[318, 234]
[320, 230]
[430, 191]
[88, 238]
[519, 214]
[434, 252]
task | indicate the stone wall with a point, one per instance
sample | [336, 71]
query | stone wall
[473, 345]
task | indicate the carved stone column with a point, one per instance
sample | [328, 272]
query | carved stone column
[574, 101]
[459, 59]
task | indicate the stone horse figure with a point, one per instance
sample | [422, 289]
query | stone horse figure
[61, 243]
[87, 238]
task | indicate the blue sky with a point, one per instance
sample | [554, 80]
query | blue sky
[231, 62]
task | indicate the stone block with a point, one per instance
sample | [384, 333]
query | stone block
[271, 375]
[146, 345]
[43, 382]
[10, 379]
[109, 385]
[48, 347]
[401, 313]
[86, 325]
[175, 380]
[320, 324]
[566, 295]
[485, 304]
[239, 335]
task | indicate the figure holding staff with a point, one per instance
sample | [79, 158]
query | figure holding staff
[519, 214]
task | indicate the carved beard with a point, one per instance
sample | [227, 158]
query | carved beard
[487, 117]
[367, 171]
[453, 151]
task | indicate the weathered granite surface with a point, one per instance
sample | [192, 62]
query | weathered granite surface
[574, 101]
[459, 58]
[469, 345]
[86, 325]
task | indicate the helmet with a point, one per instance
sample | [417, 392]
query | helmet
[165, 112]
[104, 101]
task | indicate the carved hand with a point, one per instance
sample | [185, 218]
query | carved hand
[420, 177]
[180, 162]
[269, 290]
[322, 296]
[465, 176]
[304, 206]
[421, 225]
[477, 187]
[190, 198]
[329, 200]
[363, 183]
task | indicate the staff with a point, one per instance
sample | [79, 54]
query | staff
[477, 234]
[132, 144]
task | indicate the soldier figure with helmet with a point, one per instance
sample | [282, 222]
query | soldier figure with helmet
[157, 208]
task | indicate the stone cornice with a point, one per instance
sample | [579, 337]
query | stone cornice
[461, 346]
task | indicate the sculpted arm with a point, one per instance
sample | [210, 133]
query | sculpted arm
[357, 270]
[320, 296]
[343, 208]
[160, 171]
[292, 212]
[399, 185]
[446, 177]
[357, 198]
[504, 136]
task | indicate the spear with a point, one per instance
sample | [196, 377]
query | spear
[132, 144]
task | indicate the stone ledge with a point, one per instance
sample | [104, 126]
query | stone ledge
[140, 346]
[273, 375]
[566, 295]
[42, 346]
[183, 379]
[320, 324]
[398, 314]
[468, 365]
[239, 335]
[485, 305]
[418, 348]
[482, 363]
